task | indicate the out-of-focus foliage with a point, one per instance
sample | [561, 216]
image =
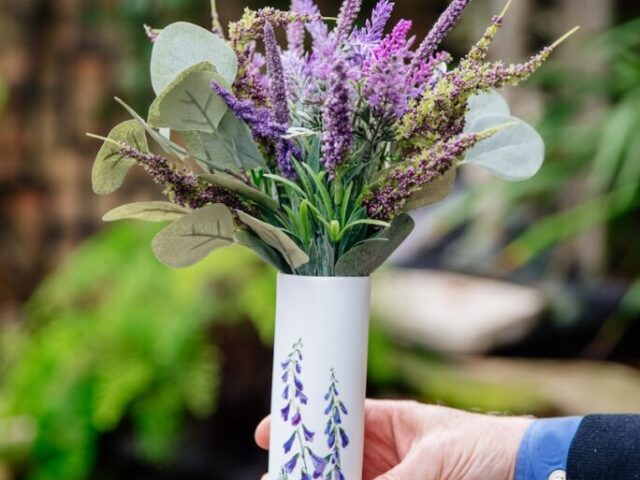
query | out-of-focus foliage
[591, 177]
[115, 335]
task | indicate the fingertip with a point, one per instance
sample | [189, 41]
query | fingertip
[262, 435]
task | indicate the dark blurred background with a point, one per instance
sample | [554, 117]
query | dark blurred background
[512, 298]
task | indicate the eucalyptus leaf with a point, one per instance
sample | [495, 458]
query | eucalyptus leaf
[165, 143]
[147, 211]
[231, 147]
[487, 103]
[275, 237]
[514, 153]
[367, 256]
[262, 249]
[181, 45]
[189, 103]
[432, 192]
[110, 167]
[194, 236]
[234, 185]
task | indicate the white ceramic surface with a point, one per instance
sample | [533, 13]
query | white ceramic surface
[322, 329]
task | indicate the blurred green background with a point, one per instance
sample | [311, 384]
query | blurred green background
[515, 298]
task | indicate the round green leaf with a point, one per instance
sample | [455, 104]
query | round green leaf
[181, 45]
[230, 147]
[188, 103]
[514, 153]
[194, 236]
[487, 103]
[110, 167]
[147, 211]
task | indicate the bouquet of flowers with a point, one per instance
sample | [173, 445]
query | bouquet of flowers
[312, 157]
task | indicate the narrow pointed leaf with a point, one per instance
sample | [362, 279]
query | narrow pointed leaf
[110, 168]
[194, 236]
[165, 143]
[267, 253]
[188, 103]
[275, 237]
[181, 45]
[432, 192]
[234, 185]
[147, 211]
[367, 256]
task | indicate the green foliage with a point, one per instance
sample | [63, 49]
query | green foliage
[111, 167]
[518, 140]
[147, 211]
[182, 45]
[188, 103]
[113, 335]
[194, 236]
[369, 255]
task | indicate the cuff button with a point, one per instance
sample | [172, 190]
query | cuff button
[558, 475]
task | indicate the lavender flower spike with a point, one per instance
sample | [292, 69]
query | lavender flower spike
[348, 14]
[295, 31]
[338, 131]
[278, 95]
[444, 25]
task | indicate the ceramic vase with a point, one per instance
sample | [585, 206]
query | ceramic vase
[319, 378]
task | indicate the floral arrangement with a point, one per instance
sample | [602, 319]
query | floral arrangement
[312, 157]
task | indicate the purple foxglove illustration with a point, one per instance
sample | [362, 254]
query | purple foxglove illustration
[337, 438]
[303, 460]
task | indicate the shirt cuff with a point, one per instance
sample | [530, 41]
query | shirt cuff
[545, 448]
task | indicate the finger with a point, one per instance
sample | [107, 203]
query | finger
[262, 434]
[265, 477]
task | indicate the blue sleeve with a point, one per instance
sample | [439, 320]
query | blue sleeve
[544, 450]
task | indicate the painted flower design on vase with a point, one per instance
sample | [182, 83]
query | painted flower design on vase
[303, 460]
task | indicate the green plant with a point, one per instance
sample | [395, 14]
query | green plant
[114, 335]
[315, 162]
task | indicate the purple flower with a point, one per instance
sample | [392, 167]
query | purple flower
[308, 435]
[180, 186]
[278, 94]
[445, 23]
[285, 393]
[319, 465]
[343, 438]
[348, 14]
[421, 169]
[337, 135]
[336, 416]
[374, 28]
[298, 383]
[297, 418]
[343, 408]
[289, 443]
[332, 439]
[261, 122]
[303, 398]
[285, 412]
[291, 464]
[305, 476]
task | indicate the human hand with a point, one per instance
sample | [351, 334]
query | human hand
[411, 441]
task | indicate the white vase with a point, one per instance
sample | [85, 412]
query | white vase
[319, 378]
